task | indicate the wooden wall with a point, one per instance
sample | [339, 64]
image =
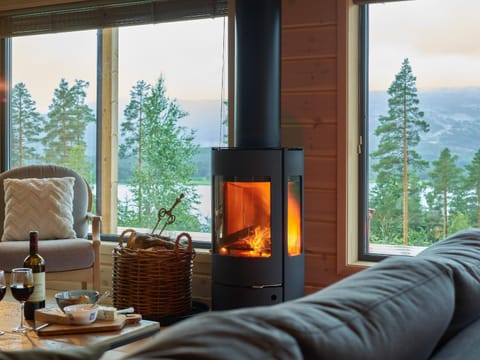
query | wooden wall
[311, 92]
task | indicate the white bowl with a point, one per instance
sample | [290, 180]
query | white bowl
[81, 314]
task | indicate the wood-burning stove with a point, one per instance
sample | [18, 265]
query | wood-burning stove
[257, 186]
[257, 226]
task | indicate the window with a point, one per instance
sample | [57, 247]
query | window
[420, 163]
[171, 109]
[53, 101]
[170, 99]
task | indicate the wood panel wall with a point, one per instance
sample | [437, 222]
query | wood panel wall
[310, 119]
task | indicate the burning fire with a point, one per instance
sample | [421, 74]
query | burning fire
[248, 221]
[294, 223]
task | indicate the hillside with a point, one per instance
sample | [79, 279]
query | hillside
[453, 116]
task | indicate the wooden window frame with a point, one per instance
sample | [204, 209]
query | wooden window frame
[349, 140]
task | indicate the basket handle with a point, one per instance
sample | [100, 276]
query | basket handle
[189, 240]
[132, 232]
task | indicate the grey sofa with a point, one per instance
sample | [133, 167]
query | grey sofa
[405, 308]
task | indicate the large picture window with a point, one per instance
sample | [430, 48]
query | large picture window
[170, 97]
[421, 157]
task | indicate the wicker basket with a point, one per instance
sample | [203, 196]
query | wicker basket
[157, 282]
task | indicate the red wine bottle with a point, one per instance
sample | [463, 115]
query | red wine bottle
[35, 262]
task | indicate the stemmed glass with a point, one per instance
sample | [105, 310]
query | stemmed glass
[3, 290]
[21, 285]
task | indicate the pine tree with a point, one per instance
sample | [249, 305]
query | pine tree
[473, 184]
[399, 133]
[446, 177]
[65, 129]
[26, 125]
[165, 169]
[132, 127]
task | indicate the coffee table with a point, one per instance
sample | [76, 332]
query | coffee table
[10, 317]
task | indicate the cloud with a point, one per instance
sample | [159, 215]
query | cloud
[438, 36]
[440, 27]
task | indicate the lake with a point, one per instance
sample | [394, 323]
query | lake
[204, 191]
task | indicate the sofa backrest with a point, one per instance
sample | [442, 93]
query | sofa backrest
[80, 192]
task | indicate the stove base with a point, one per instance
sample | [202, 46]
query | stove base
[231, 297]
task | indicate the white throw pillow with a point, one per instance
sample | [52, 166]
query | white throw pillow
[45, 205]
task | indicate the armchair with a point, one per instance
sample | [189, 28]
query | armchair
[70, 258]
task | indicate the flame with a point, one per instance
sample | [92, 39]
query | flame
[294, 223]
[248, 212]
[260, 241]
[248, 220]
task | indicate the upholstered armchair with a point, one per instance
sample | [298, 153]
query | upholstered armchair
[57, 202]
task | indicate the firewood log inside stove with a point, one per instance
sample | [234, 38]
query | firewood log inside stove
[234, 239]
[250, 241]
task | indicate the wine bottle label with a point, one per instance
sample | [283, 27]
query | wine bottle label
[39, 287]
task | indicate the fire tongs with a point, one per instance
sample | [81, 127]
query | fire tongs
[170, 217]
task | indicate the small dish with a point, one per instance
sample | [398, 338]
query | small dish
[74, 297]
[81, 314]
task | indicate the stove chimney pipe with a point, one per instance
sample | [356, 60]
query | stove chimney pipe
[257, 73]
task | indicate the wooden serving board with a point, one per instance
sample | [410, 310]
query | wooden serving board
[96, 326]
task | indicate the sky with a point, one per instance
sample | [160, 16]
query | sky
[188, 56]
[439, 37]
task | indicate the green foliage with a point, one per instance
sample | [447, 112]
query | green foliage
[399, 130]
[385, 200]
[446, 178]
[458, 221]
[26, 125]
[165, 152]
[395, 160]
[65, 128]
[472, 187]
[132, 128]
[59, 139]
[448, 197]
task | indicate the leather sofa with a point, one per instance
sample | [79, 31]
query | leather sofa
[405, 308]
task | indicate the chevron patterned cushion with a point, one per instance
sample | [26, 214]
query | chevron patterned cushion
[38, 204]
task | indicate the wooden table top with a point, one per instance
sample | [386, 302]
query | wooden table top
[10, 318]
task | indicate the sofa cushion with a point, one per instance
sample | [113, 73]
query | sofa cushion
[44, 205]
[59, 255]
[398, 309]
[463, 346]
[461, 253]
[91, 352]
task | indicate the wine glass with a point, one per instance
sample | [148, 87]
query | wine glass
[3, 290]
[21, 285]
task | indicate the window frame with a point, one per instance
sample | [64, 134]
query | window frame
[363, 102]
[360, 246]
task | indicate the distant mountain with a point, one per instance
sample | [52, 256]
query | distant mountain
[204, 117]
[453, 116]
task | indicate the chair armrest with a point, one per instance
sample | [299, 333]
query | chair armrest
[96, 220]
